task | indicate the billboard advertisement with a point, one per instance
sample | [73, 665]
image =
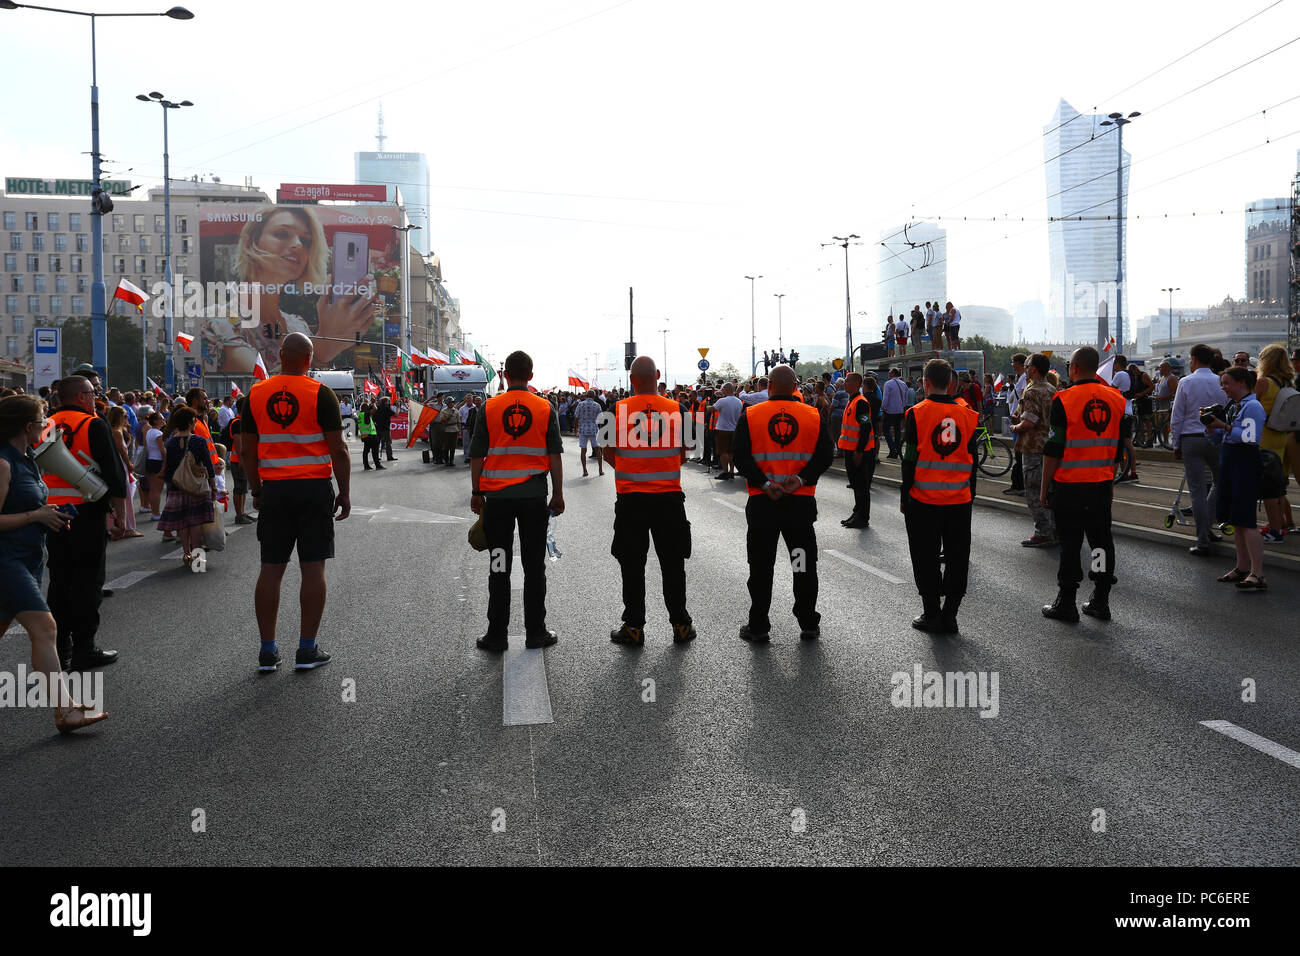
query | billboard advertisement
[320, 192]
[331, 272]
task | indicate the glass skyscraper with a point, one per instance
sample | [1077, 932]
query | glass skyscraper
[408, 172]
[1079, 160]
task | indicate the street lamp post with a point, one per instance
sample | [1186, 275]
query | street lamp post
[1119, 120]
[99, 203]
[753, 336]
[169, 367]
[665, 332]
[1171, 292]
[848, 308]
[780, 341]
[406, 281]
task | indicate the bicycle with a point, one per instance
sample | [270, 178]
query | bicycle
[993, 455]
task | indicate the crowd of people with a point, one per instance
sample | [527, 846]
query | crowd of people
[942, 326]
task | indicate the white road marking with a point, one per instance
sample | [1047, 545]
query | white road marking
[397, 514]
[1262, 744]
[727, 504]
[525, 697]
[883, 575]
[174, 556]
[126, 580]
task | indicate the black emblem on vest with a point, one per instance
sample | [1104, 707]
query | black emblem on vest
[944, 448]
[782, 428]
[282, 408]
[1096, 416]
[517, 420]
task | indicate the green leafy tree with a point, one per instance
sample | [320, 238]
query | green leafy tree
[124, 351]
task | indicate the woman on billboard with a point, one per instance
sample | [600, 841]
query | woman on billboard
[282, 252]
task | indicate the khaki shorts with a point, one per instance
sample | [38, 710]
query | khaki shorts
[723, 441]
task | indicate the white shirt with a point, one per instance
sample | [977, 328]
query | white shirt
[1121, 381]
[153, 442]
[753, 398]
[1195, 391]
[224, 415]
[902, 328]
[729, 408]
[931, 318]
[955, 319]
[1017, 392]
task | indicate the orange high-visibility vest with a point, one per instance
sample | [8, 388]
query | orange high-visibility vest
[1093, 413]
[230, 429]
[517, 421]
[290, 443]
[850, 430]
[73, 426]
[943, 460]
[647, 445]
[201, 429]
[713, 417]
[783, 436]
[700, 403]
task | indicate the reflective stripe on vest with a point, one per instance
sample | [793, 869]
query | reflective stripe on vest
[201, 429]
[648, 459]
[234, 440]
[943, 458]
[850, 430]
[1093, 413]
[517, 422]
[290, 443]
[783, 436]
[74, 429]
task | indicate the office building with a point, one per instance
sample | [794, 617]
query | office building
[407, 177]
[1080, 162]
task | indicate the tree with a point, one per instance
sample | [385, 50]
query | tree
[124, 351]
[725, 372]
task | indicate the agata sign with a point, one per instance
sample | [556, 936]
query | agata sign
[319, 192]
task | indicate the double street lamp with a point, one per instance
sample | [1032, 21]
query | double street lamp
[753, 336]
[169, 366]
[1119, 120]
[99, 203]
[1171, 316]
[406, 281]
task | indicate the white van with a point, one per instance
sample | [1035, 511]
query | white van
[341, 383]
[455, 380]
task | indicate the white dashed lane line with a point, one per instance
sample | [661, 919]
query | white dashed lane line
[1262, 744]
[883, 575]
[128, 579]
[525, 696]
[727, 504]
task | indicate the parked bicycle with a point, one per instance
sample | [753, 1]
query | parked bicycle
[992, 455]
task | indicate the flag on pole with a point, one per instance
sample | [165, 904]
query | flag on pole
[577, 381]
[157, 389]
[1109, 345]
[185, 340]
[369, 388]
[453, 357]
[388, 387]
[129, 292]
[406, 366]
[437, 358]
[997, 383]
[488, 370]
[234, 392]
[427, 414]
[259, 370]
[419, 358]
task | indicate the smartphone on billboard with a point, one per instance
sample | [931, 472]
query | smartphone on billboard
[351, 262]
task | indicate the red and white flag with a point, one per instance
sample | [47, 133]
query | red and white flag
[157, 389]
[388, 386]
[418, 357]
[437, 358]
[259, 370]
[185, 340]
[234, 391]
[997, 383]
[577, 381]
[129, 292]
[1109, 345]
[369, 388]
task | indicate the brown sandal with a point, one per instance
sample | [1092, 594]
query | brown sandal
[1233, 576]
[1253, 582]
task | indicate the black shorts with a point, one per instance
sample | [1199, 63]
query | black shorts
[296, 511]
[240, 486]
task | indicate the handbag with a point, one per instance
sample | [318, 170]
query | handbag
[478, 534]
[214, 533]
[190, 477]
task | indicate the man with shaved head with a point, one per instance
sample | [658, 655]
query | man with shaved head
[647, 454]
[782, 449]
[291, 441]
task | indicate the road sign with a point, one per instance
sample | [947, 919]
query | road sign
[704, 353]
[704, 364]
[47, 356]
[194, 372]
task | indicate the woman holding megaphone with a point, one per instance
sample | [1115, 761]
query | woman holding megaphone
[25, 519]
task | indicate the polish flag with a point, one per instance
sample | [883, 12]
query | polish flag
[418, 357]
[259, 370]
[437, 358]
[997, 383]
[577, 381]
[185, 340]
[157, 389]
[1109, 345]
[234, 392]
[129, 292]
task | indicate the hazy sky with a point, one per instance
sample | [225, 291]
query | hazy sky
[577, 147]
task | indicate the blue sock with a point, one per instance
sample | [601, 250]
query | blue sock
[306, 643]
[268, 647]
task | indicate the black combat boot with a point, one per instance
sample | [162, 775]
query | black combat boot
[1098, 605]
[1062, 609]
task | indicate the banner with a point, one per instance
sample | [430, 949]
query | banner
[397, 427]
[327, 271]
[320, 192]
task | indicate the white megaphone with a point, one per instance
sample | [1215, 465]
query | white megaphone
[53, 458]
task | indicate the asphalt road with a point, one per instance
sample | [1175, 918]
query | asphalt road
[789, 753]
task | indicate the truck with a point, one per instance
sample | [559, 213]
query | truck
[455, 380]
[342, 383]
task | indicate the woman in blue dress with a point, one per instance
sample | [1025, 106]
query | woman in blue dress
[25, 518]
